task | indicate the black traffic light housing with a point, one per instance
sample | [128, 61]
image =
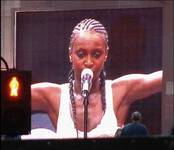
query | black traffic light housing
[15, 102]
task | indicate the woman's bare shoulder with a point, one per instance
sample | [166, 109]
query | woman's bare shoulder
[45, 85]
[138, 86]
[45, 91]
[46, 94]
[137, 77]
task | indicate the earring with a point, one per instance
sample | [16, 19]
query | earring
[70, 59]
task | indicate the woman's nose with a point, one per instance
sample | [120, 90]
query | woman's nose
[88, 62]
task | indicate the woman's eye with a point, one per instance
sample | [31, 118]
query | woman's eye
[96, 54]
[80, 54]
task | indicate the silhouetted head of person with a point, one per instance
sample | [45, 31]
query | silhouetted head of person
[136, 116]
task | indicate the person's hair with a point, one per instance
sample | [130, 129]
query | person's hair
[71, 92]
[136, 116]
[89, 25]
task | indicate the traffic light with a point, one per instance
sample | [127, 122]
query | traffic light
[15, 102]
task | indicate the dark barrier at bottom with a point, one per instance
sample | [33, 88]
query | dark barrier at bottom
[151, 143]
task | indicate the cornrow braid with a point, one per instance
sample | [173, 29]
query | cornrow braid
[102, 88]
[71, 92]
[89, 25]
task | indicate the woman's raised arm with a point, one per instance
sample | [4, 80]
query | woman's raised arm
[44, 96]
[139, 86]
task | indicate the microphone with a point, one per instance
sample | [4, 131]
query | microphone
[86, 81]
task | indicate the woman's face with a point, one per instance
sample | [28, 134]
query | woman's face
[88, 50]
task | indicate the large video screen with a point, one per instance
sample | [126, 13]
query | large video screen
[135, 46]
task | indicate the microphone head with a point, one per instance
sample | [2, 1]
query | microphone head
[87, 71]
[86, 81]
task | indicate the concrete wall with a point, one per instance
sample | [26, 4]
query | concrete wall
[9, 7]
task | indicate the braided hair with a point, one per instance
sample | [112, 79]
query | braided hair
[87, 25]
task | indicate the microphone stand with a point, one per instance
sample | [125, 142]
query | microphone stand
[85, 103]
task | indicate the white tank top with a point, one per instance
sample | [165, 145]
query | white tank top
[65, 125]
